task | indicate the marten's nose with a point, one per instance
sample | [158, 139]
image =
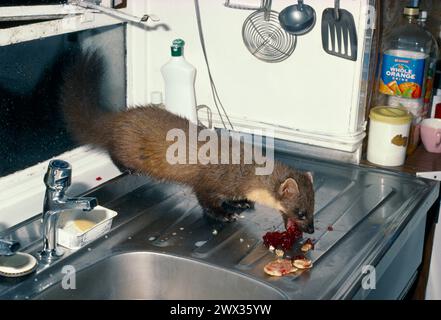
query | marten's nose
[309, 228]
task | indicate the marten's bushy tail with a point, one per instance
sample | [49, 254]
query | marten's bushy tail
[80, 99]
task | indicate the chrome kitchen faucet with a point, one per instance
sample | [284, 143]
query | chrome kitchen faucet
[57, 179]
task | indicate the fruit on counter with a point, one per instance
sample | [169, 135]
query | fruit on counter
[279, 268]
[302, 263]
[307, 246]
[279, 253]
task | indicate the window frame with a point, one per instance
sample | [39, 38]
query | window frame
[22, 192]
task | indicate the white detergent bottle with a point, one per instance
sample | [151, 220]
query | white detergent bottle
[179, 78]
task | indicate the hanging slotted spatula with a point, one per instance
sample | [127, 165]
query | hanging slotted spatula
[339, 33]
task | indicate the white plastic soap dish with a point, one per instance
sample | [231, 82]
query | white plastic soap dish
[17, 265]
[77, 228]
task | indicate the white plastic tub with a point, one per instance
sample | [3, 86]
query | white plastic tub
[388, 136]
[72, 232]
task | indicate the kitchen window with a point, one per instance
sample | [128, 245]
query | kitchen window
[35, 46]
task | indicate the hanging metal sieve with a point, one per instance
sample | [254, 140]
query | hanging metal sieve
[265, 38]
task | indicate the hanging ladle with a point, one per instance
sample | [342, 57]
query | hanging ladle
[297, 19]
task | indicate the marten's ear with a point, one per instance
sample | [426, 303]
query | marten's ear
[310, 176]
[289, 188]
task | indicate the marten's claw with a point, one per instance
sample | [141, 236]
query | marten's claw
[220, 215]
[230, 217]
[237, 206]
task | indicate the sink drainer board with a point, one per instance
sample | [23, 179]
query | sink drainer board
[359, 203]
[367, 210]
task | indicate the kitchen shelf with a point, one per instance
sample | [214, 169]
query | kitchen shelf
[420, 161]
[61, 19]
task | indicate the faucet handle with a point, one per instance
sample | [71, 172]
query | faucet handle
[8, 247]
[58, 175]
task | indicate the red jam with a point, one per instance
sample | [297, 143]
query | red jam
[98, 178]
[283, 240]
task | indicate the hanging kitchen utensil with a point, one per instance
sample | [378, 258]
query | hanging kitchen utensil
[298, 19]
[245, 4]
[339, 33]
[265, 38]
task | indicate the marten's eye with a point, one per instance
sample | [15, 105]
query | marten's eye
[301, 214]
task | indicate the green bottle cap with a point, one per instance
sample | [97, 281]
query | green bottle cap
[177, 47]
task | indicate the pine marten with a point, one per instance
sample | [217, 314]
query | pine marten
[135, 138]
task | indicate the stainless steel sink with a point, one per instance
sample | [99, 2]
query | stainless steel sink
[149, 275]
[161, 246]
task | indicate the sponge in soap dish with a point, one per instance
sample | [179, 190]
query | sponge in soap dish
[84, 224]
[79, 225]
[77, 228]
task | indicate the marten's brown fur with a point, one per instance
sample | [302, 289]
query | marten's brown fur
[136, 139]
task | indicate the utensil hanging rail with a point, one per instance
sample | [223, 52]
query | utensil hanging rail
[118, 14]
[41, 12]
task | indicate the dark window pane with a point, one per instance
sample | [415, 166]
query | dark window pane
[29, 2]
[31, 123]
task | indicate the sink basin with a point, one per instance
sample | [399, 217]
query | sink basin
[148, 275]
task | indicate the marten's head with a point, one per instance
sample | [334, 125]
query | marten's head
[295, 195]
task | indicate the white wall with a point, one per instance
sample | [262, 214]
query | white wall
[311, 94]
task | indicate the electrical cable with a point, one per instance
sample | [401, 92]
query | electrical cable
[217, 101]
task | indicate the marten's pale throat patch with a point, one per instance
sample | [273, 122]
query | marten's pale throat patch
[265, 198]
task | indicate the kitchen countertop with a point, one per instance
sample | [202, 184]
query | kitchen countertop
[422, 161]
[367, 208]
[419, 161]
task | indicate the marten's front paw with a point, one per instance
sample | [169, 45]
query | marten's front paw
[220, 215]
[237, 206]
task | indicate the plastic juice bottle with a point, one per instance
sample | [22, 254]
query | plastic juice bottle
[404, 65]
[179, 78]
[434, 56]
